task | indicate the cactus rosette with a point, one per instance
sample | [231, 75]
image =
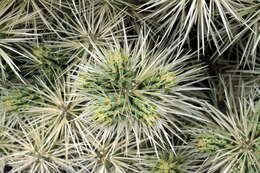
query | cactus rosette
[130, 91]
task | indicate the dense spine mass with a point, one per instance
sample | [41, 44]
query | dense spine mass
[129, 86]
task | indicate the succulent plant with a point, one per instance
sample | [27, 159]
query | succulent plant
[16, 99]
[231, 141]
[15, 102]
[58, 111]
[125, 86]
[34, 153]
[107, 157]
[184, 159]
[131, 91]
[121, 98]
[44, 60]
[169, 164]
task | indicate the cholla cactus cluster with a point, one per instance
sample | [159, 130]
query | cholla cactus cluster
[16, 100]
[232, 139]
[126, 86]
[183, 160]
[119, 93]
[170, 164]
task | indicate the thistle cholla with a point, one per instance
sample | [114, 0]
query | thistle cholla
[183, 160]
[169, 163]
[231, 138]
[16, 99]
[108, 156]
[101, 94]
[44, 60]
[134, 87]
[121, 98]
[213, 145]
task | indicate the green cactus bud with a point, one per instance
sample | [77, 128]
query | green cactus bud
[17, 99]
[117, 80]
[210, 144]
[41, 52]
[169, 163]
[115, 107]
[46, 60]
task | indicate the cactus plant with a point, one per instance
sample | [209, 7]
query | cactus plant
[124, 86]
[33, 153]
[184, 160]
[129, 90]
[106, 156]
[231, 142]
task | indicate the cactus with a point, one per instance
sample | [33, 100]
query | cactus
[118, 82]
[45, 61]
[33, 152]
[232, 137]
[169, 163]
[125, 91]
[106, 156]
[129, 86]
[17, 99]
